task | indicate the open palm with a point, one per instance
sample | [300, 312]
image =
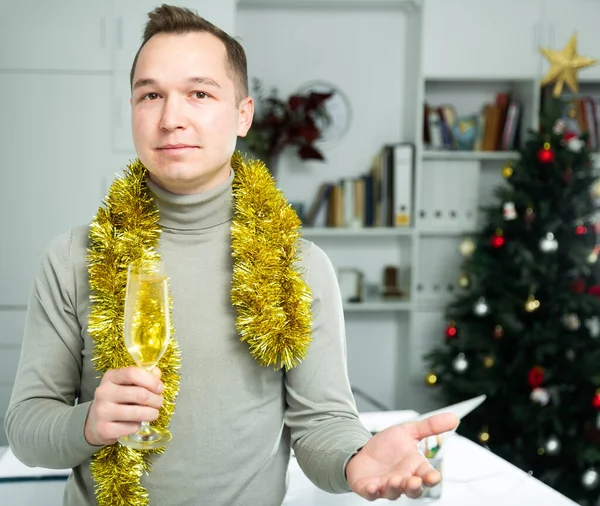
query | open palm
[390, 464]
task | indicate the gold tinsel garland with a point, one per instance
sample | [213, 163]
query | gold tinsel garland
[124, 231]
[273, 301]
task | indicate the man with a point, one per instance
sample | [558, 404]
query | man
[233, 420]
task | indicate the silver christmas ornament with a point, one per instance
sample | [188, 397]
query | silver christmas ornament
[571, 321]
[549, 244]
[540, 395]
[590, 479]
[467, 247]
[593, 326]
[481, 307]
[552, 446]
[510, 212]
[460, 363]
[559, 127]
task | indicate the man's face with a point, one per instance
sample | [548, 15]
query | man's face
[185, 112]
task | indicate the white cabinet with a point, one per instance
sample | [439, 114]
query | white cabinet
[581, 18]
[56, 35]
[121, 131]
[481, 39]
[55, 158]
[131, 18]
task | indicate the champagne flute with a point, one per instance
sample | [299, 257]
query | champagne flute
[146, 334]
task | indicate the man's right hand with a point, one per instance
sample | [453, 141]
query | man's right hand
[124, 399]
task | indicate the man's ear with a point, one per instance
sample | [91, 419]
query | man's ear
[246, 113]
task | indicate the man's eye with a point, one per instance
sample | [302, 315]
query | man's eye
[200, 94]
[150, 96]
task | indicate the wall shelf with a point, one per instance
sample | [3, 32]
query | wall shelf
[378, 305]
[470, 155]
[324, 232]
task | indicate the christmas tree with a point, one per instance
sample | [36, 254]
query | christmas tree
[525, 328]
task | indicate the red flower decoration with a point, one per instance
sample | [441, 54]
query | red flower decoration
[535, 378]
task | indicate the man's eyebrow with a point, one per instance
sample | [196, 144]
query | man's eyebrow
[194, 79]
[144, 82]
[203, 80]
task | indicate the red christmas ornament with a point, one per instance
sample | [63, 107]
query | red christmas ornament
[568, 136]
[451, 331]
[535, 378]
[594, 290]
[578, 286]
[596, 400]
[546, 154]
[498, 332]
[497, 241]
[581, 230]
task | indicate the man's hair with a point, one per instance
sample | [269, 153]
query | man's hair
[180, 20]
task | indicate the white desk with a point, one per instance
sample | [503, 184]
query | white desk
[472, 476]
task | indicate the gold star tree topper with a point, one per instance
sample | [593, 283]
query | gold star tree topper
[564, 66]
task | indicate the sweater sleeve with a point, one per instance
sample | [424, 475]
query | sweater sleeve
[44, 424]
[321, 412]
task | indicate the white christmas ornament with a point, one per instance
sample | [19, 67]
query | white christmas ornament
[593, 326]
[575, 144]
[481, 307]
[549, 244]
[510, 212]
[540, 395]
[552, 445]
[460, 363]
[590, 479]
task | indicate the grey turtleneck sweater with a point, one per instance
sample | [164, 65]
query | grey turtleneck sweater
[234, 421]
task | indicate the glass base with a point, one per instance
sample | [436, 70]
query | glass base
[147, 439]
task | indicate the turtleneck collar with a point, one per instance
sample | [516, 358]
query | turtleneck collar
[193, 212]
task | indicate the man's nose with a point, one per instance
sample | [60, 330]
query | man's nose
[173, 116]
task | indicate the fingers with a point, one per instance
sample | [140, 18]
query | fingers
[135, 376]
[134, 395]
[433, 425]
[368, 488]
[124, 399]
[113, 431]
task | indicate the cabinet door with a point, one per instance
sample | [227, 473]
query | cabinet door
[121, 131]
[55, 35]
[131, 18]
[581, 18]
[481, 39]
[54, 152]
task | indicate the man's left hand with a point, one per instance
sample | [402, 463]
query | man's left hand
[390, 464]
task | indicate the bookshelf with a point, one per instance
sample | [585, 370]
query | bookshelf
[452, 54]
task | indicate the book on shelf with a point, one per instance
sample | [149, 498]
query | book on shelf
[495, 127]
[382, 197]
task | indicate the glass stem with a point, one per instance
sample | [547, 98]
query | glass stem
[145, 428]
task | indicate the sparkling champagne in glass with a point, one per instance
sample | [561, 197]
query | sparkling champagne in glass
[146, 334]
